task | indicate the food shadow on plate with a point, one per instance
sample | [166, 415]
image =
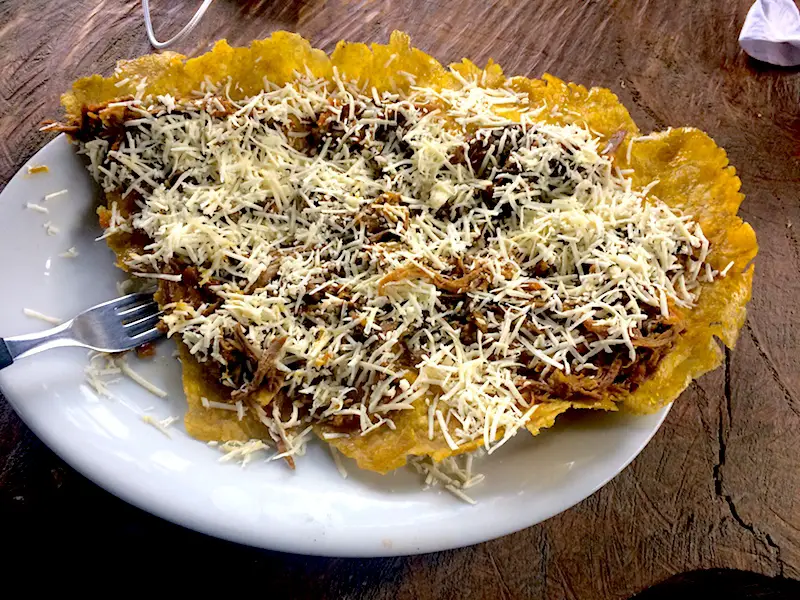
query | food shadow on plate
[576, 440]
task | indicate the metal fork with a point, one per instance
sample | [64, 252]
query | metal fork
[113, 326]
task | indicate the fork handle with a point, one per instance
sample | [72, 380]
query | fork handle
[5, 354]
[12, 348]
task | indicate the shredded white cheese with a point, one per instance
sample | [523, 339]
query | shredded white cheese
[126, 370]
[337, 460]
[219, 405]
[37, 207]
[450, 473]
[101, 371]
[161, 424]
[104, 369]
[72, 252]
[242, 452]
[158, 276]
[55, 195]
[727, 268]
[362, 221]
[29, 312]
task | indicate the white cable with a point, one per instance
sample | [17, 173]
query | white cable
[148, 23]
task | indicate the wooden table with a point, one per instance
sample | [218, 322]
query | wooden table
[719, 485]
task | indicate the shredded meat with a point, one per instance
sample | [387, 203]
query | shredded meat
[253, 354]
[613, 377]
[614, 142]
[97, 121]
[333, 122]
[475, 279]
[265, 370]
[345, 423]
[266, 276]
[474, 322]
[221, 110]
[282, 448]
[574, 386]
[380, 217]
[146, 350]
[600, 331]
[656, 340]
[254, 369]
[504, 139]
[188, 289]
[606, 377]
[409, 271]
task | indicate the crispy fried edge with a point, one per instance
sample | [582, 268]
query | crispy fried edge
[692, 171]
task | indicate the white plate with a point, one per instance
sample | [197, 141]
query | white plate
[310, 511]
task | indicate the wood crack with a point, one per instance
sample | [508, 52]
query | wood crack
[545, 554]
[793, 244]
[723, 432]
[723, 428]
[778, 557]
[763, 538]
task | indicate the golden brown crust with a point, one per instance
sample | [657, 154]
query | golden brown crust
[693, 174]
[385, 450]
[212, 424]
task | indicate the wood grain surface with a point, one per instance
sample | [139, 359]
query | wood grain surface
[719, 485]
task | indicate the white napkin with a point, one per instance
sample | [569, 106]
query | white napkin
[771, 32]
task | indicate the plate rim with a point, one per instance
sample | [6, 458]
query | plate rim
[173, 511]
[200, 525]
